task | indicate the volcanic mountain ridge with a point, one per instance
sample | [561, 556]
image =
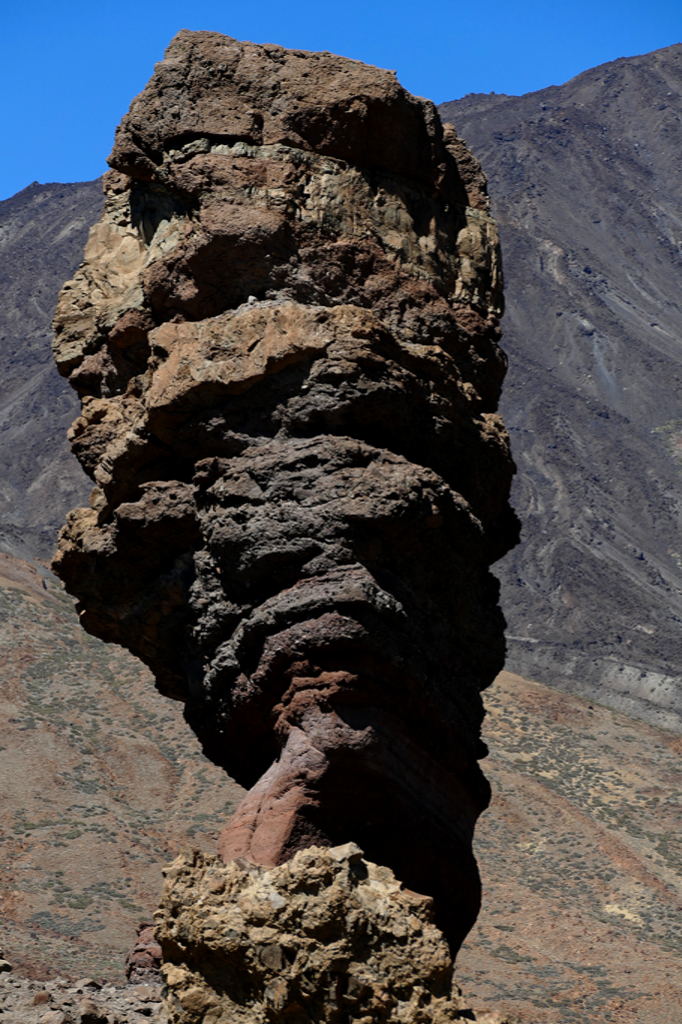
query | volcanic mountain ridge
[587, 193]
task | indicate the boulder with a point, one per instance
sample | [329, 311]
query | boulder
[327, 937]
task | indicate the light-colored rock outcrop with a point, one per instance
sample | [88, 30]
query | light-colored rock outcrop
[326, 937]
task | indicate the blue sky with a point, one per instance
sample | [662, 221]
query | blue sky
[69, 68]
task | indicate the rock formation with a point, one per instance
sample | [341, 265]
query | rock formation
[327, 937]
[285, 338]
[143, 962]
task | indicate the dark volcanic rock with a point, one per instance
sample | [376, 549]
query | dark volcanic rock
[42, 233]
[588, 193]
[285, 336]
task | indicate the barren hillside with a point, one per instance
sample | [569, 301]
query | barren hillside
[587, 192]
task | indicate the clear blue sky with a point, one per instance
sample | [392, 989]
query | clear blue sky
[69, 68]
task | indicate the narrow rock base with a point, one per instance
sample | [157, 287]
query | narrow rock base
[327, 937]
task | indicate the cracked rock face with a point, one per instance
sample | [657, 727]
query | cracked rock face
[285, 338]
[328, 937]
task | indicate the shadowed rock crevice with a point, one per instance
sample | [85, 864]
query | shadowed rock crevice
[285, 335]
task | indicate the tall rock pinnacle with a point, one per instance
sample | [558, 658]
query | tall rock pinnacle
[285, 338]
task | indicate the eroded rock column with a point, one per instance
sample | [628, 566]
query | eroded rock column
[285, 337]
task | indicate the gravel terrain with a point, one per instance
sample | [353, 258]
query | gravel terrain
[102, 783]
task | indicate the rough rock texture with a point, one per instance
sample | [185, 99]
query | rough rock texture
[326, 937]
[143, 962]
[285, 335]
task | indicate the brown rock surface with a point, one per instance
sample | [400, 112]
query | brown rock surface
[143, 962]
[328, 937]
[285, 336]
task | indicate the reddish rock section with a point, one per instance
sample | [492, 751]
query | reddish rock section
[285, 337]
[143, 962]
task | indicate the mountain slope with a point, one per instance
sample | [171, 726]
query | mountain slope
[43, 230]
[586, 187]
[581, 864]
[103, 782]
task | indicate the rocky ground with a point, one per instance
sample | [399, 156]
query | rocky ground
[580, 851]
[581, 860]
[84, 1002]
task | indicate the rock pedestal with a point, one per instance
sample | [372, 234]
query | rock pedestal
[327, 937]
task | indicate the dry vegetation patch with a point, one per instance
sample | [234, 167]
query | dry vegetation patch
[103, 782]
[581, 860]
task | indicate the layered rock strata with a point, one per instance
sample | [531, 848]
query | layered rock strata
[327, 937]
[285, 337]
